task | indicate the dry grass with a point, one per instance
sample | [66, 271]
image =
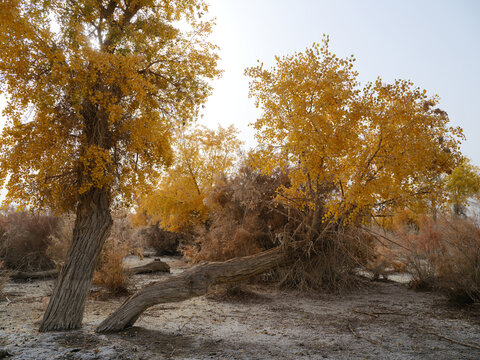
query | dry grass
[459, 261]
[164, 242]
[444, 254]
[24, 239]
[3, 277]
[110, 273]
[329, 262]
[243, 220]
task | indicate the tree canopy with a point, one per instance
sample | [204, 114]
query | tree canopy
[94, 88]
[201, 156]
[463, 184]
[353, 150]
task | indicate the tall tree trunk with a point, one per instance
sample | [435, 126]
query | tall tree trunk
[92, 227]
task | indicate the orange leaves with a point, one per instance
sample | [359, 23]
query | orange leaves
[462, 184]
[376, 147]
[96, 162]
[201, 156]
[103, 88]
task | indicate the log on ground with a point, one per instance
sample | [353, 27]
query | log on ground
[191, 283]
[154, 266]
[25, 275]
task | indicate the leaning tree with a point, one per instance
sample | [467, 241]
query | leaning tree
[94, 89]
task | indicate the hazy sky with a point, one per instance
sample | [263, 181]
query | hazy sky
[436, 44]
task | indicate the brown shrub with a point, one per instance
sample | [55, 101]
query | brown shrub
[445, 255]
[60, 239]
[24, 238]
[110, 273]
[329, 262]
[3, 277]
[243, 218]
[425, 246]
[164, 242]
[246, 218]
[459, 261]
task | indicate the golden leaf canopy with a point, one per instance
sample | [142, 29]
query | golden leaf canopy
[94, 89]
[202, 158]
[352, 150]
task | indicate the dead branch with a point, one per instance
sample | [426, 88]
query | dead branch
[154, 266]
[192, 283]
[366, 313]
[473, 346]
[24, 275]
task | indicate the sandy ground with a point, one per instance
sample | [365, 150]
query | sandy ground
[379, 321]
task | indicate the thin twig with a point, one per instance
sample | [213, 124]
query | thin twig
[364, 337]
[366, 313]
[389, 313]
[384, 237]
[473, 346]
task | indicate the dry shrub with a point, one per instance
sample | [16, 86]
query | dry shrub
[164, 242]
[243, 219]
[235, 293]
[385, 261]
[123, 240]
[60, 240]
[246, 218]
[3, 277]
[329, 262]
[459, 261]
[223, 242]
[110, 273]
[426, 246]
[445, 255]
[24, 239]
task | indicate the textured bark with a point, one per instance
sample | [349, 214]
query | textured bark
[191, 283]
[92, 227]
[154, 266]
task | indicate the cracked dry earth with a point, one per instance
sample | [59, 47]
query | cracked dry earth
[379, 321]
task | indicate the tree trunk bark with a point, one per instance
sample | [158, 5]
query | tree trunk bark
[191, 283]
[92, 227]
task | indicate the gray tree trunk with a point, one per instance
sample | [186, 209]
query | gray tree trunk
[92, 227]
[191, 283]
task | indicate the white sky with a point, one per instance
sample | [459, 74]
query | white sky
[436, 44]
[433, 43]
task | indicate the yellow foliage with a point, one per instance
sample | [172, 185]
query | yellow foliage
[201, 156]
[463, 182]
[94, 89]
[354, 151]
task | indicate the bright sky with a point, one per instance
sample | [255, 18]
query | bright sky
[433, 43]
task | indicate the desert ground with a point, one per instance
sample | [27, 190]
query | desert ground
[380, 320]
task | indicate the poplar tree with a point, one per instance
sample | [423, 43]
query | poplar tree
[94, 89]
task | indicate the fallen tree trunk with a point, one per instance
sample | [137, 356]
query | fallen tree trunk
[154, 266]
[191, 283]
[24, 275]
